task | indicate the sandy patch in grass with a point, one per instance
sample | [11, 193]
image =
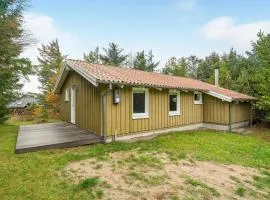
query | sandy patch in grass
[133, 175]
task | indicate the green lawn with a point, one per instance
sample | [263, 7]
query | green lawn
[37, 175]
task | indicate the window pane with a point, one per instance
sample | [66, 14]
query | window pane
[173, 102]
[197, 97]
[67, 95]
[139, 102]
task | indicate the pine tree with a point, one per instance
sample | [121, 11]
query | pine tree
[13, 39]
[93, 56]
[50, 61]
[113, 55]
[261, 81]
[145, 62]
[206, 68]
[151, 64]
[176, 67]
[193, 65]
[140, 61]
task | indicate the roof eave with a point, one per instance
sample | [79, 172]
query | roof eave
[64, 72]
[62, 77]
[245, 99]
[220, 96]
[148, 85]
[84, 74]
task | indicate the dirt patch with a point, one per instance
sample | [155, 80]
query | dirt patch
[136, 175]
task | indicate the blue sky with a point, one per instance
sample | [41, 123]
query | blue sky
[168, 27]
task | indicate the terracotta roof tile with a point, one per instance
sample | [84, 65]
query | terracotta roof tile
[121, 75]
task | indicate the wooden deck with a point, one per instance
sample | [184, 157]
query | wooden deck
[52, 136]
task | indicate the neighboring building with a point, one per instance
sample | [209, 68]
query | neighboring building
[19, 106]
[114, 101]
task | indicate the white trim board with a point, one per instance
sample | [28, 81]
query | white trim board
[178, 103]
[61, 78]
[220, 96]
[146, 103]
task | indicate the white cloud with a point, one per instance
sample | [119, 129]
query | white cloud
[187, 5]
[44, 30]
[32, 85]
[239, 36]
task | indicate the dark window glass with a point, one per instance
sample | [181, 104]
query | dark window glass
[139, 102]
[197, 97]
[173, 102]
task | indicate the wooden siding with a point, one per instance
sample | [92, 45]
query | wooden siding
[215, 110]
[240, 112]
[88, 103]
[119, 116]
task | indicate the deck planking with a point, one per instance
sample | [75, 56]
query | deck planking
[51, 136]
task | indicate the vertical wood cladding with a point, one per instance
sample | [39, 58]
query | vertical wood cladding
[88, 103]
[215, 110]
[119, 116]
[240, 112]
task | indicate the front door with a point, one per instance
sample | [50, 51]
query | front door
[73, 105]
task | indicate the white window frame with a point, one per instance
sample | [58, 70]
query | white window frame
[67, 95]
[200, 101]
[178, 103]
[146, 113]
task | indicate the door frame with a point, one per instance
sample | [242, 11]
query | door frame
[73, 105]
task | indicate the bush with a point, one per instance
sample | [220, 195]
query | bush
[44, 114]
[3, 113]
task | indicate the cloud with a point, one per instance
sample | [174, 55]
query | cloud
[32, 85]
[44, 30]
[187, 5]
[239, 36]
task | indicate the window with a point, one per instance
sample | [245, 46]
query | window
[140, 101]
[67, 95]
[197, 98]
[174, 103]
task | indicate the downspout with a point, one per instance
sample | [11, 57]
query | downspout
[104, 98]
[230, 118]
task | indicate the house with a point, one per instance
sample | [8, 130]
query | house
[19, 106]
[121, 103]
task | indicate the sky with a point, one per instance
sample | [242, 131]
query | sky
[167, 27]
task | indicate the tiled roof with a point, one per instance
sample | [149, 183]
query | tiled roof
[127, 76]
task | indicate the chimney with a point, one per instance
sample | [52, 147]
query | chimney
[216, 77]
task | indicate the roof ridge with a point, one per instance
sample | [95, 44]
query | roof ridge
[133, 69]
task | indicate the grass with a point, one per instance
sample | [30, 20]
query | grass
[260, 132]
[263, 181]
[147, 179]
[36, 175]
[197, 183]
[89, 183]
[144, 161]
[17, 121]
[240, 191]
